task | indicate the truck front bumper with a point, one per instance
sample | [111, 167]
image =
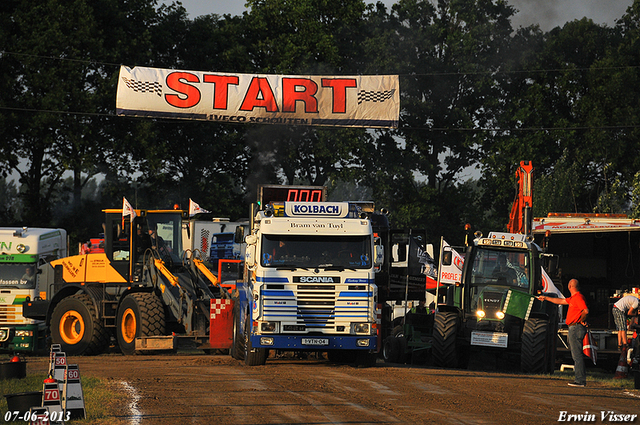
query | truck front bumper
[314, 343]
[35, 309]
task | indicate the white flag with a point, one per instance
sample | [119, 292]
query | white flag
[453, 272]
[127, 210]
[195, 209]
[548, 285]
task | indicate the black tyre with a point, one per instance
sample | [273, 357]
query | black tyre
[76, 327]
[636, 379]
[237, 349]
[391, 350]
[140, 314]
[445, 329]
[534, 357]
[253, 356]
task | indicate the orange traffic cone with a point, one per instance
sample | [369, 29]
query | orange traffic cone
[623, 369]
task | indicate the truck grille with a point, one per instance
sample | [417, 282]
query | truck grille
[311, 308]
[11, 314]
[316, 306]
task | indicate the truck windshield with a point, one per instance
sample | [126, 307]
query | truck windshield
[18, 275]
[502, 268]
[338, 252]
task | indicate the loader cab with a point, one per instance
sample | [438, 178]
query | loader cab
[156, 233]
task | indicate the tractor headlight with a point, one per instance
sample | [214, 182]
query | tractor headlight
[500, 315]
[480, 314]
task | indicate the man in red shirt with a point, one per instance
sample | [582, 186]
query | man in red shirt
[577, 322]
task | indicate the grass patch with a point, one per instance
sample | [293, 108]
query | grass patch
[103, 400]
[600, 377]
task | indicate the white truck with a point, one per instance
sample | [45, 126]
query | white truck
[22, 251]
[309, 283]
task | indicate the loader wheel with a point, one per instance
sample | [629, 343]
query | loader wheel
[535, 341]
[76, 327]
[140, 314]
[445, 329]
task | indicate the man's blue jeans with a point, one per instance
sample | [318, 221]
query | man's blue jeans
[576, 335]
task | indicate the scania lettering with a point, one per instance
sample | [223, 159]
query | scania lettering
[309, 287]
[22, 251]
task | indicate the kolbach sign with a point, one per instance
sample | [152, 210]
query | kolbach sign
[344, 101]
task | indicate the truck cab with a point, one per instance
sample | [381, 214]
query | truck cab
[310, 282]
[22, 252]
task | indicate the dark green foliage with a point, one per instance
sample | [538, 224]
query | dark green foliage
[474, 95]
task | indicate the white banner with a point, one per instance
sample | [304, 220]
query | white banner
[346, 101]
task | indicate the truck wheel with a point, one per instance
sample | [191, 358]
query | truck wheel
[391, 350]
[237, 349]
[140, 314]
[76, 327]
[534, 355]
[445, 329]
[253, 356]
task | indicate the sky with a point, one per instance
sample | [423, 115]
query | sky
[546, 13]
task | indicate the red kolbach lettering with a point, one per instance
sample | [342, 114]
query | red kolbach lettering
[259, 94]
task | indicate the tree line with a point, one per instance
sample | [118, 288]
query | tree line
[476, 94]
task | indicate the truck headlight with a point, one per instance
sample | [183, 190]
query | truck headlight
[266, 340]
[361, 328]
[24, 333]
[4, 335]
[268, 326]
[362, 342]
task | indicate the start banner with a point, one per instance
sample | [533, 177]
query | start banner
[343, 101]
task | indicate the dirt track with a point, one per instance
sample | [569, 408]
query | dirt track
[199, 389]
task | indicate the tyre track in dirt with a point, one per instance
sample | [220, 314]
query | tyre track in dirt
[200, 389]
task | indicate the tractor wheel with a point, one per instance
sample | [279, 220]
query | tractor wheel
[76, 327]
[140, 314]
[391, 350]
[535, 340]
[445, 329]
[237, 349]
[253, 356]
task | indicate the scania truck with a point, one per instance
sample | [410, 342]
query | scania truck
[22, 251]
[309, 279]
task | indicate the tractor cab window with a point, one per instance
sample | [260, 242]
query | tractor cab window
[165, 235]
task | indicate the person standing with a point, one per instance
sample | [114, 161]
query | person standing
[577, 322]
[625, 306]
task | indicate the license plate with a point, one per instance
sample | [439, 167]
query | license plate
[315, 341]
[490, 339]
